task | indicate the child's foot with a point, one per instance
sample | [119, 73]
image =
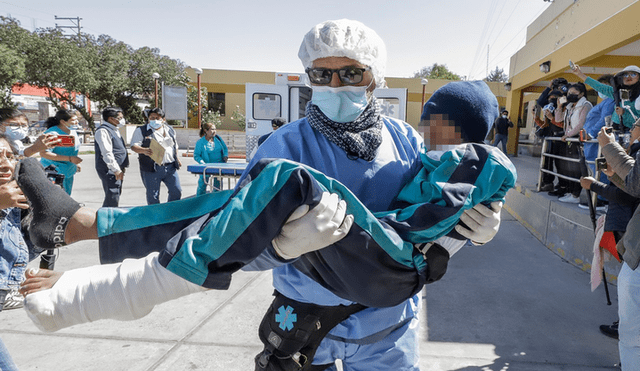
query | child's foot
[38, 280]
[52, 206]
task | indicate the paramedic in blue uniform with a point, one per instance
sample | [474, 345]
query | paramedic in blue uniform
[345, 137]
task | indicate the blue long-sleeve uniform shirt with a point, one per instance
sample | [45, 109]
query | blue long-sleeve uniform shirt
[375, 183]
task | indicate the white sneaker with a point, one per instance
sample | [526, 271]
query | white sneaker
[569, 198]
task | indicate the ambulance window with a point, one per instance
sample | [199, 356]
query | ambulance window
[266, 106]
[390, 107]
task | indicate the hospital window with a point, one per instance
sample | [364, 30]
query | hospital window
[216, 102]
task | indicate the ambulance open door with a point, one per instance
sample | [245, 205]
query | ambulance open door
[263, 102]
[393, 102]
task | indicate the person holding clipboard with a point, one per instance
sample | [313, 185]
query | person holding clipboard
[157, 149]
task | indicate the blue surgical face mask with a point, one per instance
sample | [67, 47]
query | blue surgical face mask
[155, 124]
[343, 104]
[74, 127]
[602, 96]
[16, 132]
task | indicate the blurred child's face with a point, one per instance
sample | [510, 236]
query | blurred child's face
[438, 131]
[7, 162]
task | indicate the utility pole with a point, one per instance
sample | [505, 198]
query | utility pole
[75, 21]
[487, 60]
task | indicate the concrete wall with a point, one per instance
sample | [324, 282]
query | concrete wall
[561, 23]
[563, 229]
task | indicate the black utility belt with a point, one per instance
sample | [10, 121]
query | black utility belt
[292, 331]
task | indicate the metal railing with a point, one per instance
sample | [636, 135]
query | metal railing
[544, 155]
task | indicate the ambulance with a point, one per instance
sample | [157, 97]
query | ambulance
[288, 99]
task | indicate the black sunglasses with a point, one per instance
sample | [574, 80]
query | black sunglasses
[347, 75]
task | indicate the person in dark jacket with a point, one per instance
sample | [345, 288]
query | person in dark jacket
[619, 211]
[501, 128]
[112, 157]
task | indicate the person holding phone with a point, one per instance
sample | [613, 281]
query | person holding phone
[64, 156]
[624, 90]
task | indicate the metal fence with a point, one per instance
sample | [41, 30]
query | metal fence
[544, 154]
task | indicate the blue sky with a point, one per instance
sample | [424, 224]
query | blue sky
[265, 36]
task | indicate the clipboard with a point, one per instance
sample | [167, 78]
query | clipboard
[158, 151]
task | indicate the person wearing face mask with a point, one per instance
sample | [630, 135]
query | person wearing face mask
[233, 234]
[501, 128]
[345, 136]
[65, 159]
[596, 119]
[210, 148]
[14, 126]
[550, 128]
[624, 89]
[574, 115]
[151, 172]
[16, 249]
[112, 157]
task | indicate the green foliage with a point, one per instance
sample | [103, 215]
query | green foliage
[11, 71]
[192, 102]
[105, 70]
[437, 71]
[213, 117]
[497, 75]
[238, 118]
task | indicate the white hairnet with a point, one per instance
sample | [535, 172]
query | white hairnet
[345, 38]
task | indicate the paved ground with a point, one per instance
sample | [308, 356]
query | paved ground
[509, 305]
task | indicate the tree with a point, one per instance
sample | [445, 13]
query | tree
[103, 69]
[63, 67]
[437, 71]
[11, 71]
[12, 58]
[497, 75]
[192, 103]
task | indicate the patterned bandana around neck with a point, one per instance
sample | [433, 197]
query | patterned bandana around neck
[360, 138]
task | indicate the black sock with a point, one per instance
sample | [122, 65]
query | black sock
[52, 206]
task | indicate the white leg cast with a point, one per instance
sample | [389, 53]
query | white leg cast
[123, 291]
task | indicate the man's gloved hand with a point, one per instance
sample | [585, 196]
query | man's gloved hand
[482, 223]
[309, 230]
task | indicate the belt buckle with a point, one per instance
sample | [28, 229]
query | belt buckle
[423, 248]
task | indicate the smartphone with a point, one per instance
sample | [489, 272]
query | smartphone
[624, 94]
[601, 164]
[66, 141]
[571, 65]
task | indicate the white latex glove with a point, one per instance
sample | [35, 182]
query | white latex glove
[310, 230]
[482, 222]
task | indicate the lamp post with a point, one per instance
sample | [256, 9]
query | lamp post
[156, 76]
[424, 83]
[198, 72]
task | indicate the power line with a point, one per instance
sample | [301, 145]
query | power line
[75, 21]
[497, 55]
[482, 36]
